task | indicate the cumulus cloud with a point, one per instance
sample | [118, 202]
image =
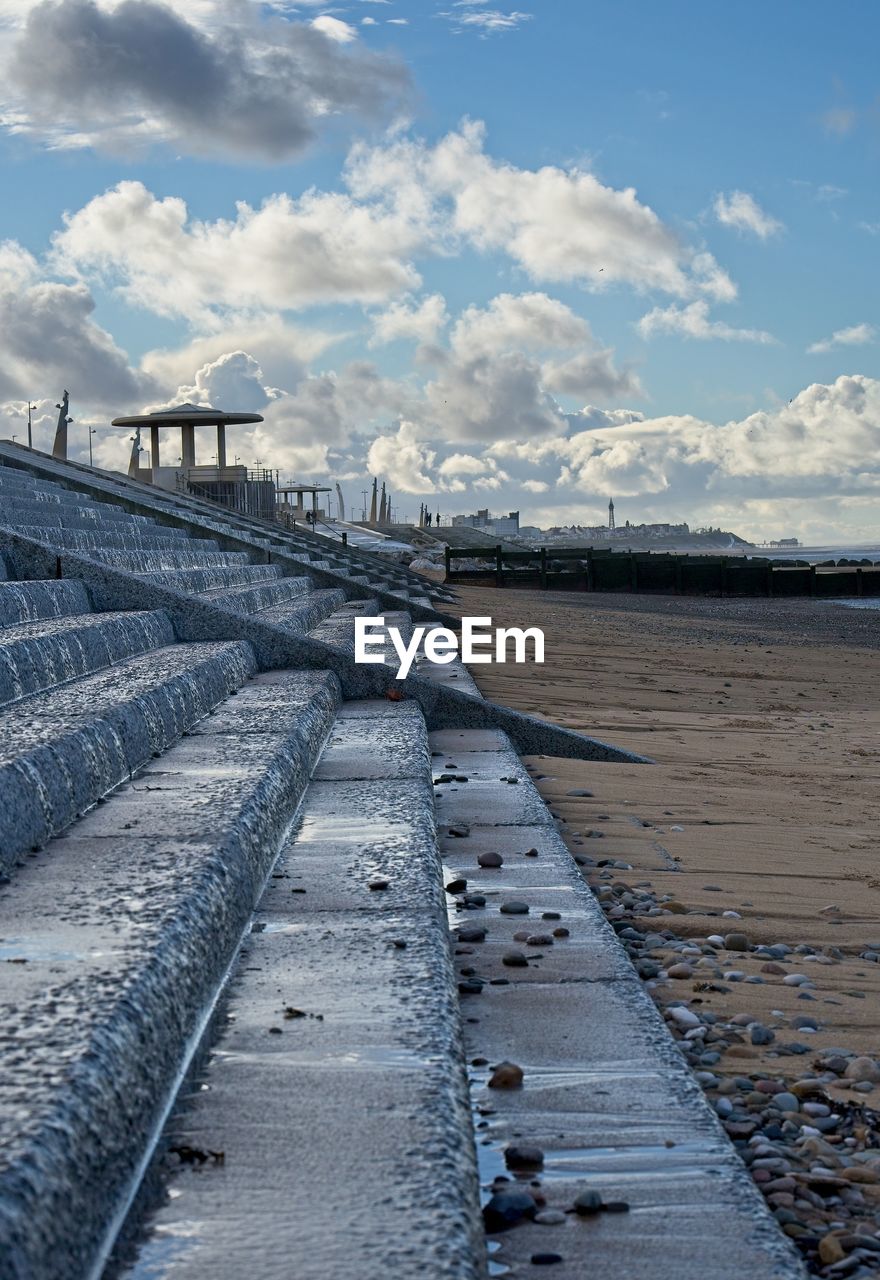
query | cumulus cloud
[233, 381]
[282, 350]
[558, 225]
[742, 212]
[591, 373]
[421, 321]
[231, 79]
[692, 321]
[49, 340]
[286, 254]
[404, 459]
[857, 335]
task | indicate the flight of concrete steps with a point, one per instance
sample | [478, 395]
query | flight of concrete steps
[229, 1005]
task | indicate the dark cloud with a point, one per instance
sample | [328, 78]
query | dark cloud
[49, 341]
[254, 85]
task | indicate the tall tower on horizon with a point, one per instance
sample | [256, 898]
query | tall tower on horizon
[610, 513]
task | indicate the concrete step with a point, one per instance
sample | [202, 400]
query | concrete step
[337, 1089]
[338, 628]
[605, 1093]
[99, 514]
[61, 751]
[125, 928]
[198, 580]
[13, 480]
[305, 613]
[187, 555]
[100, 538]
[251, 599]
[35, 656]
[28, 601]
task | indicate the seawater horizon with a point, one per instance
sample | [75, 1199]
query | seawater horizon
[813, 555]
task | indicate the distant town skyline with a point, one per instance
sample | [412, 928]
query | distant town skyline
[530, 259]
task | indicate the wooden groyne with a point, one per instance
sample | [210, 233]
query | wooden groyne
[587, 569]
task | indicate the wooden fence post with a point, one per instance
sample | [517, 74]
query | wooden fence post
[860, 586]
[499, 566]
[591, 582]
[447, 555]
[543, 568]
[633, 573]
[812, 579]
[769, 579]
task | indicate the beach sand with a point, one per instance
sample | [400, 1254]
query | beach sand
[763, 719]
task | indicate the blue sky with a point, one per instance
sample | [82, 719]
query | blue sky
[509, 257]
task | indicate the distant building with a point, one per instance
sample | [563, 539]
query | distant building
[489, 524]
[785, 542]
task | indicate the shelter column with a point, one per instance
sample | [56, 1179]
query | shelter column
[154, 452]
[188, 444]
[221, 445]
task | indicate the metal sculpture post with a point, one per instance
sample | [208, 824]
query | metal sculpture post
[59, 448]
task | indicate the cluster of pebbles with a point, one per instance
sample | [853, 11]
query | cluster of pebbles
[806, 1130]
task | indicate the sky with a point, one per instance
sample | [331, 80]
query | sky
[509, 258]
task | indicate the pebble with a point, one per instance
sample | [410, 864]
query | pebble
[379, 882]
[515, 960]
[759, 1034]
[736, 942]
[684, 1017]
[545, 1259]
[490, 860]
[588, 1202]
[522, 1156]
[507, 1075]
[561, 933]
[471, 934]
[786, 1101]
[551, 915]
[550, 1218]
[680, 971]
[795, 979]
[863, 1069]
[579, 792]
[539, 940]
[506, 1208]
[515, 908]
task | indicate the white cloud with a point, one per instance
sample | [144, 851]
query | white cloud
[285, 255]
[591, 373]
[334, 28]
[558, 225]
[404, 459]
[741, 211]
[223, 79]
[233, 381]
[421, 321]
[282, 351]
[535, 486]
[857, 335]
[486, 21]
[693, 321]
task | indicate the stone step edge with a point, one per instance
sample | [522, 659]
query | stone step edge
[51, 782]
[195, 619]
[212, 921]
[92, 642]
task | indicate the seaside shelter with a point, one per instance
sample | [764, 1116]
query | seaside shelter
[185, 418]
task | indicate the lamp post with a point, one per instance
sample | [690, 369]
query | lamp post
[92, 432]
[31, 408]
